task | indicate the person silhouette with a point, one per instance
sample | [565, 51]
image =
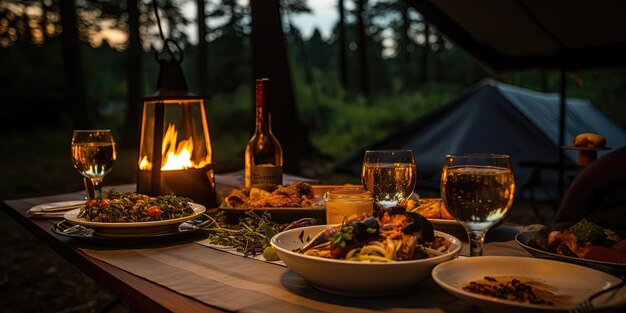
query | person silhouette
[598, 194]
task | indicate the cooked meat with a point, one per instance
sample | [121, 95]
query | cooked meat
[297, 194]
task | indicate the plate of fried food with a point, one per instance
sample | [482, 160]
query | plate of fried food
[584, 243]
[134, 214]
[376, 255]
[435, 211]
[283, 202]
[526, 284]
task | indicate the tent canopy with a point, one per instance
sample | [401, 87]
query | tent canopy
[517, 34]
[492, 117]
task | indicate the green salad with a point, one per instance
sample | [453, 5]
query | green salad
[118, 207]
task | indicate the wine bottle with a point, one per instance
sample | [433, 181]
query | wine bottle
[264, 156]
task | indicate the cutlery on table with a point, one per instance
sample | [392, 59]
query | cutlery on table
[586, 306]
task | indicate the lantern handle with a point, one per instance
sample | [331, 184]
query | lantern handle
[178, 59]
[166, 42]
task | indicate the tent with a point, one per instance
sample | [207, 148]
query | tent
[520, 34]
[493, 117]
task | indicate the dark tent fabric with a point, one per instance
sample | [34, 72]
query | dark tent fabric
[516, 34]
[492, 117]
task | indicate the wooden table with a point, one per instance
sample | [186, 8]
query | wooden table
[139, 293]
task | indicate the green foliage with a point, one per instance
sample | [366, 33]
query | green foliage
[231, 124]
[341, 125]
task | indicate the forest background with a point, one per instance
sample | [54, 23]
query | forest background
[69, 64]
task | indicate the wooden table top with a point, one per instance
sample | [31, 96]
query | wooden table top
[141, 294]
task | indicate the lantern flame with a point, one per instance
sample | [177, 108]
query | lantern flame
[174, 157]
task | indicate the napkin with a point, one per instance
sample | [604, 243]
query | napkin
[36, 211]
[598, 194]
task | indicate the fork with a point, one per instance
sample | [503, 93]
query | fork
[586, 306]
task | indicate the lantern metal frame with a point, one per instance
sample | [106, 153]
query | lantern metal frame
[172, 90]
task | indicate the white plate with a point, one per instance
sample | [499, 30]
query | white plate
[353, 278]
[576, 282]
[136, 228]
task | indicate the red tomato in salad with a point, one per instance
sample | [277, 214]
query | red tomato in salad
[104, 203]
[92, 202]
[154, 210]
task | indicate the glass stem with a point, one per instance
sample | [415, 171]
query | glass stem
[97, 187]
[476, 241]
[89, 188]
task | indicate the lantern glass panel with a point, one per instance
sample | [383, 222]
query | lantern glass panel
[175, 149]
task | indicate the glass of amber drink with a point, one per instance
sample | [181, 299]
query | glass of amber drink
[93, 154]
[389, 175]
[346, 204]
[477, 190]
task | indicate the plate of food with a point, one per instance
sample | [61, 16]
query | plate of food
[524, 284]
[133, 214]
[185, 231]
[284, 203]
[435, 211]
[583, 243]
[367, 256]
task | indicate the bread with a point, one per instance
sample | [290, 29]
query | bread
[430, 208]
[589, 140]
[444, 212]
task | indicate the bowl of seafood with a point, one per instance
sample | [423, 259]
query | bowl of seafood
[377, 255]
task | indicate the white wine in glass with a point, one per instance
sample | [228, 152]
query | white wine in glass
[389, 175]
[93, 154]
[478, 191]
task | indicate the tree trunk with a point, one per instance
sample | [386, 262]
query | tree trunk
[72, 64]
[269, 59]
[423, 64]
[130, 137]
[203, 74]
[343, 62]
[404, 45]
[362, 48]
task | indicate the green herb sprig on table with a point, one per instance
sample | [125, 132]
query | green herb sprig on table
[251, 235]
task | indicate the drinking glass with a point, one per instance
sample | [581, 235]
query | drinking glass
[477, 190]
[389, 175]
[93, 154]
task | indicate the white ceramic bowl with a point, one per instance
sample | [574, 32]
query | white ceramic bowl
[353, 278]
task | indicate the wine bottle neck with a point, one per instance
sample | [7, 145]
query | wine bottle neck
[262, 106]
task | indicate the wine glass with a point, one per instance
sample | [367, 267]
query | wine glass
[389, 175]
[93, 154]
[477, 190]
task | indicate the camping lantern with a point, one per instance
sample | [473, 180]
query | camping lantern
[175, 155]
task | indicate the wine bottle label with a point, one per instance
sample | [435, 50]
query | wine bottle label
[265, 175]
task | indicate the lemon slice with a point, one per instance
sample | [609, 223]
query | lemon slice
[258, 193]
